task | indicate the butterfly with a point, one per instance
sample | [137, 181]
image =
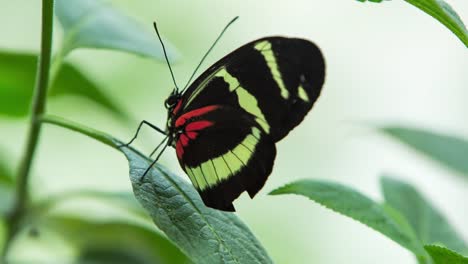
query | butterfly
[225, 124]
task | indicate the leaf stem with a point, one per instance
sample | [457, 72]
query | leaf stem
[90, 132]
[38, 108]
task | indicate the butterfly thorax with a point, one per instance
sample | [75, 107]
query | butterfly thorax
[173, 104]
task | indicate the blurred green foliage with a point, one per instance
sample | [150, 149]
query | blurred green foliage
[441, 11]
[448, 150]
[96, 24]
[106, 241]
[442, 255]
[18, 72]
[429, 225]
[405, 217]
[205, 235]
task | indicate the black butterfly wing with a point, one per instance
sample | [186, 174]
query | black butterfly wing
[276, 79]
[257, 93]
[224, 152]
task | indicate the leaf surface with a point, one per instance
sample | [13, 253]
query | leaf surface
[448, 150]
[96, 24]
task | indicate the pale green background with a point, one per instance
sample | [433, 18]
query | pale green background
[387, 63]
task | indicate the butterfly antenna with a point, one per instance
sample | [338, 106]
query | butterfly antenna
[209, 50]
[165, 55]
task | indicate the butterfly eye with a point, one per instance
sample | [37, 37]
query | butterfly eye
[171, 101]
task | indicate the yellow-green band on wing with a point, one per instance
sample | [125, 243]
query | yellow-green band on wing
[215, 170]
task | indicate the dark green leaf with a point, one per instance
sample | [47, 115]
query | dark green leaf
[351, 203]
[3, 234]
[95, 24]
[100, 241]
[17, 73]
[206, 235]
[442, 255]
[443, 12]
[450, 151]
[430, 226]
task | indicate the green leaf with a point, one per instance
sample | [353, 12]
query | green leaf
[6, 175]
[96, 24]
[374, 1]
[430, 226]
[448, 150]
[351, 203]
[443, 12]
[125, 200]
[6, 188]
[3, 233]
[205, 235]
[17, 75]
[103, 241]
[442, 255]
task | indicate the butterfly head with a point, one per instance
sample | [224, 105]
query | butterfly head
[173, 105]
[172, 100]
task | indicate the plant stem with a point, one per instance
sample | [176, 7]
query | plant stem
[38, 108]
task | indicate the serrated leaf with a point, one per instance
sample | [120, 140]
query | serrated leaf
[351, 203]
[96, 24]
[443, 12]
[441, 255]
[449, 150]
[99, 241]
[430, 226]
[205, 235]
[17, 74]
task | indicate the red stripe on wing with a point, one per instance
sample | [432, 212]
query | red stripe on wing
[194, 113]
[179, 149]
[177, 108]
[198, 125]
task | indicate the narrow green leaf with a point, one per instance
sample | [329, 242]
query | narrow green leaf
[430, 226]
[351, 203]
[205, 235]
[3, 233]
[448, 150]
[443, 12]
[17, 75]
[6, 175]
[96, 24]
[90, 132]
[442, 255]
[102, 241]
[125, 200]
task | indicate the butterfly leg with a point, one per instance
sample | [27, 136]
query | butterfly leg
[154, 162]
[138, 130]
